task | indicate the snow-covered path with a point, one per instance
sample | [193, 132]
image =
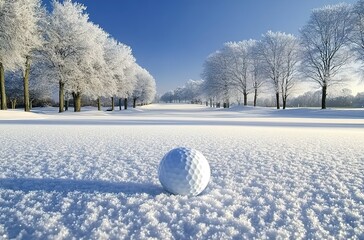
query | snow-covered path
[293, 174]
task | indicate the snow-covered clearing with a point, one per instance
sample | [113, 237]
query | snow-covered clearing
[296, 174]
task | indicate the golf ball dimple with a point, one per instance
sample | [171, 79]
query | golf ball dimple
[184, 171]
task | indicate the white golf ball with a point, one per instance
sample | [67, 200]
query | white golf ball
[184, 171]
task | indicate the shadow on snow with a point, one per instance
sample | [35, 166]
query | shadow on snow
[83, 186]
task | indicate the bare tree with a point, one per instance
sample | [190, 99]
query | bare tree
[256, 71]
[323, 41]
[238, 67]
[290, 67]
[276, 52]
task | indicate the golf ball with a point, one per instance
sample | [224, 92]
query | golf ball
[184, 171]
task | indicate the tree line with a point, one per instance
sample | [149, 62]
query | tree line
[62, 49]
[332, 38]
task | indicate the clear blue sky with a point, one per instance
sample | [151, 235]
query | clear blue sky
[172, 38]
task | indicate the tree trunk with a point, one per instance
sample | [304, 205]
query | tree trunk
[77, 101]
[112, 104]
[120, 104]
[134, 102]
[324, 93]
[13, 103]
[61, 96]
[255, 97]
[125, 103]
[66, 104]
[277, 99]
[245, 99]
[26, 85]
[2, 87]
[99, 104]
[284, 102]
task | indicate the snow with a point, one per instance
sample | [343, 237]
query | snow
[295, 173]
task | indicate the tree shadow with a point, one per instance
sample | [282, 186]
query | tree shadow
[84, 186]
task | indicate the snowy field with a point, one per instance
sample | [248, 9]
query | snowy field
[296, 174]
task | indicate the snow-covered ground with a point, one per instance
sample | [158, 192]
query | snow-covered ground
[297, 173]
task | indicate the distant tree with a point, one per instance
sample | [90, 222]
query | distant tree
[145, 88]
[121, 66]
[359, 100]
[14, 88]
[217, 82]
[40, 90]
[308, 99]
[323, 42]
[277, 53]
[193, 90]
[168, 97]
[179, 94]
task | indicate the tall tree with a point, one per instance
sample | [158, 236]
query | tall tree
[30, 14]
[239, 66]
[290, 67]
[65, 37]
[275, 51]
[92, 77]
[10, 46]
[323, 42]
[256, 71]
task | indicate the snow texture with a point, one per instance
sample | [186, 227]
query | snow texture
[294, 174]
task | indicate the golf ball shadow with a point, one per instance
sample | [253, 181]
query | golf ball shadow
[184, 171]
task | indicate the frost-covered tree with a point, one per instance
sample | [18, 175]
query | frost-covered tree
[76, 49]
[290, 67]
[30, 39]
[10, 56]
[323, 42]
[193, 90]
[40, 90]
[91, 75]
[217, 82]
[120, 64]
[66, 35]
[127, 84]
[18, 37]
[168, 97]
[277, 53]
[145, 88]
[14, 88]
[239, 66]
[256, 71]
